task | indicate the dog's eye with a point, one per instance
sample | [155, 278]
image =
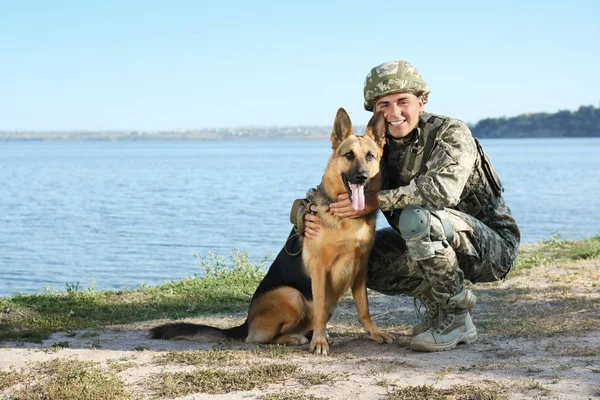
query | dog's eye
[349, 155]
[370, 156]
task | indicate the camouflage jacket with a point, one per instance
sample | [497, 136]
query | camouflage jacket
[441, 165]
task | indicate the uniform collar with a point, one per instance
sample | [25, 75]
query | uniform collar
[410, 138]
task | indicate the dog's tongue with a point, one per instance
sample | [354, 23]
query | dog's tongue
[358, 197]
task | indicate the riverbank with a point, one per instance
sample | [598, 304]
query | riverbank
[539, 337]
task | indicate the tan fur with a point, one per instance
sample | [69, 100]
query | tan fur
[336, 259]
[282, 311]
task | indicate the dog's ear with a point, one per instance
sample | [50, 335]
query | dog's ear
[376, 129]
[342, 128]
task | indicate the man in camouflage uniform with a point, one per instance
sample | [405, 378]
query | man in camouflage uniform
[443, 201]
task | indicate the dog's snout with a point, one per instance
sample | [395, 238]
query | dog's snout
[361, 176]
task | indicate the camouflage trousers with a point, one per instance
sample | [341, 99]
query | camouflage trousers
[477, 253]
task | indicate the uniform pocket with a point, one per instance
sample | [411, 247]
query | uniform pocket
[463, 234]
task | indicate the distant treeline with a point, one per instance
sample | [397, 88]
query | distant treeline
[585, 122]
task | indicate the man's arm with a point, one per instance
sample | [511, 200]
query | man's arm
[448, 169]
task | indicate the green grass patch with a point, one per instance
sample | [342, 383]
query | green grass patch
[587, 249]
[215, 381]
[227, 286]
[73, 380]
[556, 250]
[223, 286]
[561, 249]
[529, 261]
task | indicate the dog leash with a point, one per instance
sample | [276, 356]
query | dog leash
[286, 243]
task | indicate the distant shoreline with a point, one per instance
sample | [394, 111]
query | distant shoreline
[584, 122]
[125, 136]
[288, 133]
[202, 139]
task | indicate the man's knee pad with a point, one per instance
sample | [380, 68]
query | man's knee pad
[423, 236]
[414, 222]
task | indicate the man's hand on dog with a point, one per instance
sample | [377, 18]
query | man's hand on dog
[342, 208]
[312, 224]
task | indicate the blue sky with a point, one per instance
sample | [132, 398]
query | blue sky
[194, 64]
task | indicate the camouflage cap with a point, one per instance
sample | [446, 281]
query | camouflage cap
[392, 77]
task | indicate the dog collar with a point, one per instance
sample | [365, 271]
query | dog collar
[325, 195]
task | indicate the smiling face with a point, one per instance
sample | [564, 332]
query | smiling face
[401, 112]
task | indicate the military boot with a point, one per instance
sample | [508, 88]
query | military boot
[452, 325]
[422, 295]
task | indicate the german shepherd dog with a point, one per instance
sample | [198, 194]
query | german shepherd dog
[298, 295]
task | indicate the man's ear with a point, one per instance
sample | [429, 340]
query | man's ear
[421, 101]
[342, 128]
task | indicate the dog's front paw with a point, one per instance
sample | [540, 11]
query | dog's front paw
[381, 337]
[319, 345]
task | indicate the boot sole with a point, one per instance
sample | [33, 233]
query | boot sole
[468, 337]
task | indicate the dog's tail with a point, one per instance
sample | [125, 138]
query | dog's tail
[203, 333]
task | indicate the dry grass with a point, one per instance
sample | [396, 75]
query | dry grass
[226, 357]
[10, 378]
[551, 299]
[213, 357]
[534, 385]
[291, 396]
[573, 351]
[121, 365]
[485, 390]
[218, 380]
[316, 378]
[553, 293]
[73, 380]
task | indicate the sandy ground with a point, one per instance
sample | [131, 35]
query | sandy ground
[511, 367]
